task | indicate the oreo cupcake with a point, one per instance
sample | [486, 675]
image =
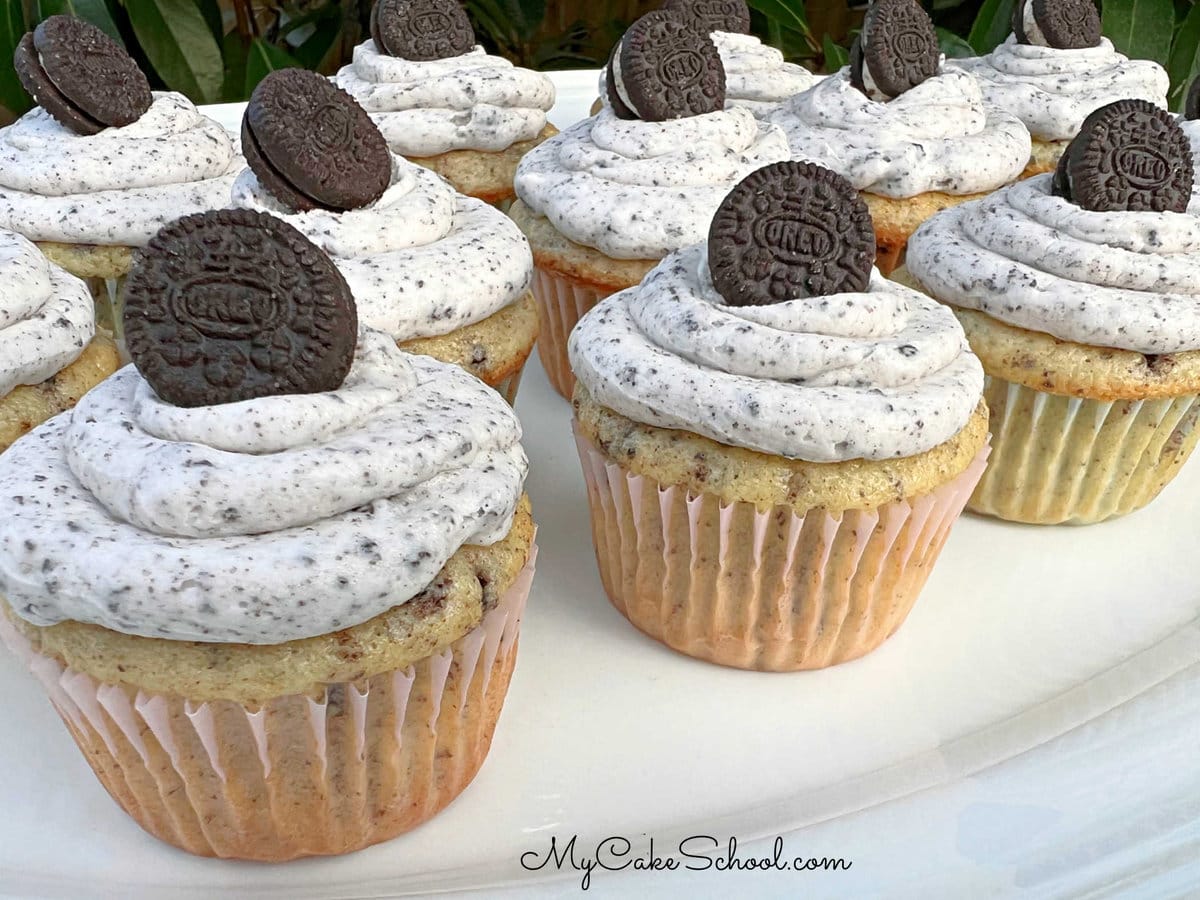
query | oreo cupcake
[605, 200]
[1055, 69]
[1081, 294]
[445, 275]
[272, 577]
[442, 101]
[102, 163]
[50, 353]
[776, 439]
[915, 137]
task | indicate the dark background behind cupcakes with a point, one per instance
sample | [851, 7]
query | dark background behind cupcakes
[218, 50]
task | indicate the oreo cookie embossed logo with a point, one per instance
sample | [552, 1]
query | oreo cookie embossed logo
[228, 308]
[682, 67]
[1143, 166]
[431, 23]
[333, 128]
[792, 237]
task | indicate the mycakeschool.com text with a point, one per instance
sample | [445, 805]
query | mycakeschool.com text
[697, 853]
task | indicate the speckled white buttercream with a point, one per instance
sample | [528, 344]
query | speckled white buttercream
[117, 187]
[471, 102]
[258, 522]
[937, 136]
[639, 190]
[1191, 128]
[875, 375]
[1052, 91]
[47, 316]
[422, 260]
[1129, 280]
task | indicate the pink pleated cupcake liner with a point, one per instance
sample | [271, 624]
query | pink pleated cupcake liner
[298, 775]
[561, 304]
[769, 590]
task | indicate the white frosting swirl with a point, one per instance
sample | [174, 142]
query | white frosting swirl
[638, 190]
[875, 375]
[1191, 128]
[756, 75]
[258, 522]
[1129, 280]
[47, 316]
[471, 102]
[408, 255]
[119, 186]
[1052, 91]
[937, 136]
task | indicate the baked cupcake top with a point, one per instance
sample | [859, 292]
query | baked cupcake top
[46, 315]
[778, 335]
[898, 126]
[1052, 75]
[65, 176]
[643, 176]
[1115, 263]
[307, 477]
[432, 90]
[405, 254]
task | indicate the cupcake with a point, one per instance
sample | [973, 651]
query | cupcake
[914, 136]
[445, 275]
[444, 102]
[1055, 69]
[102, 163]
[272, 577]
[607, 199]
[50, 353]
[1081, 294]
[776, 439]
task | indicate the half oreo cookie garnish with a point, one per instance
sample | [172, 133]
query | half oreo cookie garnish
[421, 30]
[896, 50]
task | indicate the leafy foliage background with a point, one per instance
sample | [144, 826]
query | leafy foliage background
[218, 50]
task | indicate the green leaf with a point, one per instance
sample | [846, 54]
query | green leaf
[992, 25]
[952, 45]
[265, 58]
[176, 40]
[12, 29]
[233, 84]
[835, 56]
[313, 53]
[94, 11]
[1184, 63]
[1140, 28]
[211, 10]
[787, 13]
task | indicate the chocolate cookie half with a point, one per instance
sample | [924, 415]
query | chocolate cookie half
[790, 230]
[81, 76]
[1191, 104]
[421, 30]
[664, 68]
[1128, 156]
[713, 15]
[1063, 24]
[232, 305]
[311, 144]
[898, 49]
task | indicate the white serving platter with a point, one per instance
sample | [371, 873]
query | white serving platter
[1034, 727]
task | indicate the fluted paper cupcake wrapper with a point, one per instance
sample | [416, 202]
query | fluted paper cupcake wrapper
[108, 294]
[561, 304]
[1060, 459]
[509, 386]
[298, 775]
[771, 590]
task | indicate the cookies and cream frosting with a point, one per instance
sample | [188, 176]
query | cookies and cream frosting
[756, 75]
[937, 136]
[1127, 280]
[880, 374]
[258, 522]
[117, 187]
[475, 101]
[639, 190]
[422, 260]
[47, 316]
[1052, 90]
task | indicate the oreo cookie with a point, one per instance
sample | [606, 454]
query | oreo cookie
[897, 48]
[790, 230]
[1063, 24]
[664, 68]
[81, 76]
[1128, 156]
[1191, 103]
[231, 305]
[311, 144]
[421, 30]
[610, 84]
[731, 16]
